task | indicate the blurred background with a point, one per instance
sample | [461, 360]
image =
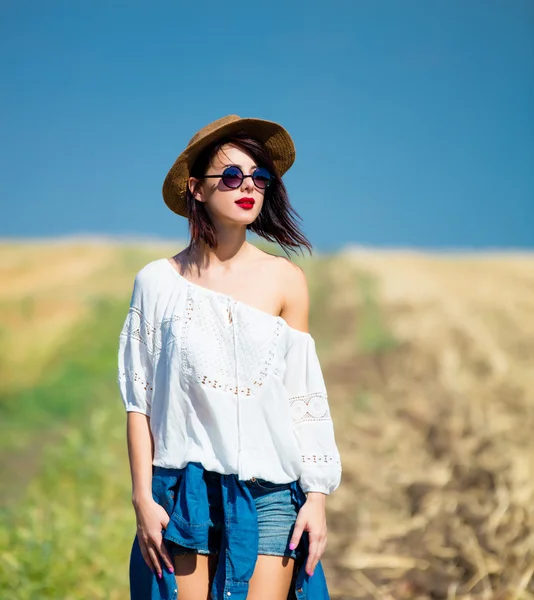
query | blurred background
[414, 180]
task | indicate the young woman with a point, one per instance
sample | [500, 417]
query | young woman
[230, 439]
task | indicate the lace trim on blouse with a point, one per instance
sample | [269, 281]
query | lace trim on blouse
[321, 459]
[208, 354]
[310, 407]
[139, 330]
[138, 379]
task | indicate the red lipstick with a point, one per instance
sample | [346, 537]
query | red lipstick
[246, 203]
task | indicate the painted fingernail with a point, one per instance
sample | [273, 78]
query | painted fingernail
[159, 575]
[171, 569]
[292, 546]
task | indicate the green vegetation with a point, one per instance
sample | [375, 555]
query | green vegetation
[72, 375]
[69, 534]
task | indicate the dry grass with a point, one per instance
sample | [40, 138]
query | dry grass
[437, 498]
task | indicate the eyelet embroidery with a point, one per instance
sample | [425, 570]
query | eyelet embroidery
[137, 379]
[208, 353]
[165, 332]
[320, 459]
[139, 328]
[310, 407]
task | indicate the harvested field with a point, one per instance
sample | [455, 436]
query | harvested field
[435, 419]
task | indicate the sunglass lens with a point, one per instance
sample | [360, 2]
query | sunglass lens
[232, 177]
[262, 178]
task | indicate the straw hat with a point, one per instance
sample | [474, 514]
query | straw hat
[275, 138]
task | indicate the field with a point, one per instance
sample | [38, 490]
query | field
[428, 363]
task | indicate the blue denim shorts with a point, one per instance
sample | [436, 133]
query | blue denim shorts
[276, 512]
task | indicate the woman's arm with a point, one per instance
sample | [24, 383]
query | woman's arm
[151, 517]
[136, 384]
[140, 454]
[295, 312]
[312, 516]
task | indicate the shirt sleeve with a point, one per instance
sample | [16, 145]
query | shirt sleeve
[312, 423]
[136, 349]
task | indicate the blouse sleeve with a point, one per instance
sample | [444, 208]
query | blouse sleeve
[312, 423]
[136, 346]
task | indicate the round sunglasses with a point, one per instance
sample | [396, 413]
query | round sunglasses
[233, 177]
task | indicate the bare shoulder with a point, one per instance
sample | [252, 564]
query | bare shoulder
[292, 288]
[295, 294]
[284, 272]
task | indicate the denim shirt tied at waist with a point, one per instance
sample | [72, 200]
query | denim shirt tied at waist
[183, 494]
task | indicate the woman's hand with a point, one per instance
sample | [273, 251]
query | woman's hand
[311, 518]
[151, 519]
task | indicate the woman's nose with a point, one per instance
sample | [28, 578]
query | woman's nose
[247, 184]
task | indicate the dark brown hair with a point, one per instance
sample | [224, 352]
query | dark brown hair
[277, 221]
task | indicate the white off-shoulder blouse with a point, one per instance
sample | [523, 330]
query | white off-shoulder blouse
[225, 384]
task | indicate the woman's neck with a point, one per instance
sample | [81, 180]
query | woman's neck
[222, 257]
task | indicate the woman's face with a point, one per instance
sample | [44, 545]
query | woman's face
[240, 205]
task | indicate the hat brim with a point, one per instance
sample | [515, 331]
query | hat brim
[275, 138]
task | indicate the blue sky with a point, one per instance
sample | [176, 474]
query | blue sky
[413, 120]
